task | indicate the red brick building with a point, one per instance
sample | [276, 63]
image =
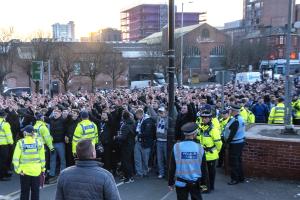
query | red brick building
[203, 48]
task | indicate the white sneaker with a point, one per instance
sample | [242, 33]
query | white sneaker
[160, 176]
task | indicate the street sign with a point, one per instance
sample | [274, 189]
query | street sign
[37, 70]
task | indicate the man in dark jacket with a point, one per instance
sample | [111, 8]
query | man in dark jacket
[101, 187]
[183, 117]
[145, 131]
[73, 120]
[58, 132]
[126, 138]
[106, 139]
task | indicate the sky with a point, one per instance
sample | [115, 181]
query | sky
[31, 16]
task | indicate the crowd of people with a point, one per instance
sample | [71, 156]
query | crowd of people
[129, 127]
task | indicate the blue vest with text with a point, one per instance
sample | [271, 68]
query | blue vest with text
[240, 134]
[188, 157]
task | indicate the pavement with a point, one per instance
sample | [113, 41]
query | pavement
[152, 188]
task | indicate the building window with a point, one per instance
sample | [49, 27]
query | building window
[205, 33]
[77, 69]
[280, 53]
[281, 40]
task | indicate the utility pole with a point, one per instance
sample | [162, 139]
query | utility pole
[171, 71]
[181, 48]
[49, 77]
[43, 77]
[288, 109]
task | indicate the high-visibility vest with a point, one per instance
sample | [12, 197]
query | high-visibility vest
[296, 109]
[215, 122]
[29, 156]
[239, 136]
[42, 132]
[223, 123]
[277, 114]
[188, 157]
[85, 130]
[5, 133]
[210, 138]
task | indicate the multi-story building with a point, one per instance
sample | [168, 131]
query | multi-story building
[103, 35]
[110, 34]
[143, 20]
[265, 13]
[64, 32]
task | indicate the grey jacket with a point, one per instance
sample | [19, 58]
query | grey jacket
[86, 180]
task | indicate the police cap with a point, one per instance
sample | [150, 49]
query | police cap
[206, 114]
[2, 113]
[28, 129]
[189, 128]
[235, 107]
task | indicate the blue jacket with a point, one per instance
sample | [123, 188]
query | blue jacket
[86, 180]
[261, 113]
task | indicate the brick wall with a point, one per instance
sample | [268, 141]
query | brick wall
[272, 159]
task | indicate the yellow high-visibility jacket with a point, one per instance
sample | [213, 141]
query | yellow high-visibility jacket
[42, 132]
[296, 109]
[29, 156]
[85, 130]
[214, 121]
[5, 133]
[277, 114]
[247, 115]
[210, 138]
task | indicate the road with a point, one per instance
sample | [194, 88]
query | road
[154, 189]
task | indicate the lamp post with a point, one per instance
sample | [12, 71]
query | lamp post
[171, 72]
[181, 46]
[288, 110]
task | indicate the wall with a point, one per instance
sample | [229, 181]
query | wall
[272, 159]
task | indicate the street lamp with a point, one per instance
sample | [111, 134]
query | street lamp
[181, 46]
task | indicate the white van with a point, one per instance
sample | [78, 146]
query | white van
[247, 77]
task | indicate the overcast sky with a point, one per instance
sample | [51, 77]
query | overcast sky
[29, 16]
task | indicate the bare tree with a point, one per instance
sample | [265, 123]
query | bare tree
[244, 53]
[115, 66]
[96, 61]
[154, 59]
[7, 55]
[64, 59]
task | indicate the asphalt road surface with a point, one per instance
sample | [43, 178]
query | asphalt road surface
[152, 188]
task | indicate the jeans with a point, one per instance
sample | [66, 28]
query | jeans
[30, 184]
[141, 159]
[161, 150]
[60, 150]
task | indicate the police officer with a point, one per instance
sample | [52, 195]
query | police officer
[214, 120]
[210, 138]
[85, 129]
[277, 113]
[225, 117]
[29, 162]
[6, 140]
[296, 110]
[234, 136]
[42, 131]
[187, 165]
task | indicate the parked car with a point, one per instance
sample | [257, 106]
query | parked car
[17, 91]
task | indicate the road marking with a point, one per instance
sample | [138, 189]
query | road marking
[12, 196]
[167, 195]
[119, 184]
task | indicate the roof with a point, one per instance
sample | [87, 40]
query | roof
[156, 38]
